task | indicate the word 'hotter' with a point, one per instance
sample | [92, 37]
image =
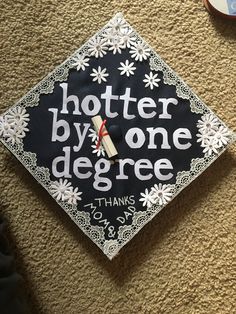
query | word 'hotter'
[91, 105]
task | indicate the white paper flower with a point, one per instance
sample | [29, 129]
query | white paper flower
[147, 198]
[12, 131]
[93, 134]
[222, 136]
[108, 36]
[17, 115]
[98, 151]
[210, 146]
[117, 25]
[99, 75]
[72, 196]
[202, 136]
[59, 189]
[161, 193]
[128, 37]
[97, 47]
[151, 80]
[127, 68]
[21, 127]
[5, 127]
[14, 136]
[211, 134]
[81, 61]
[208, 123]
[140, 51]
[116, 44]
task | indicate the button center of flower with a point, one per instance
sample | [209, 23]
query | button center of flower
[6, 127]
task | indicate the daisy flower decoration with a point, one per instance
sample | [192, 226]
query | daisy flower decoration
[116, 44]
[127, 68]
[93, 135]
[15, 135]
[99, 75]
[13, 126]
[117, 25]
[5, 127]
[222, 136]
[161, 193]
[151, 80]
[98, 150]
[128, 37]
[72, 196]
[59, 189]
[140, 51]
[202, 137]
[18, 116]
[208, 123]
[97, 47]
[147, 198]
[211, 146]
[81, 62]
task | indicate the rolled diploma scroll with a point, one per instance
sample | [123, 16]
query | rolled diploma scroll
[106, 140]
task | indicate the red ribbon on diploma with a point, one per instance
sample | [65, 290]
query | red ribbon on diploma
[101, 134]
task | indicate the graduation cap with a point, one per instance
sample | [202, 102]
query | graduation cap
[113, 134]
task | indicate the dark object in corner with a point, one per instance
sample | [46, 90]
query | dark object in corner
[12, 298]
[222, 8]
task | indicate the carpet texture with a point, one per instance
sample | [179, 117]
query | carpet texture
[184, 260]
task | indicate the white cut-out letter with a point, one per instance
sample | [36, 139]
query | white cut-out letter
[100, 183]
[56, 124]
[96, 105]
[81, 136]
[82, 162]
[126, 97]
[122, 163]
[146, 102]
[166, 102]
[182, 133]
[143, 164]
[67, 99]
[108, 97]
[131, 134]
[163, 164]
[153, 132]
[65, 161]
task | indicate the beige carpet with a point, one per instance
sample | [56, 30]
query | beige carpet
[184, 260]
